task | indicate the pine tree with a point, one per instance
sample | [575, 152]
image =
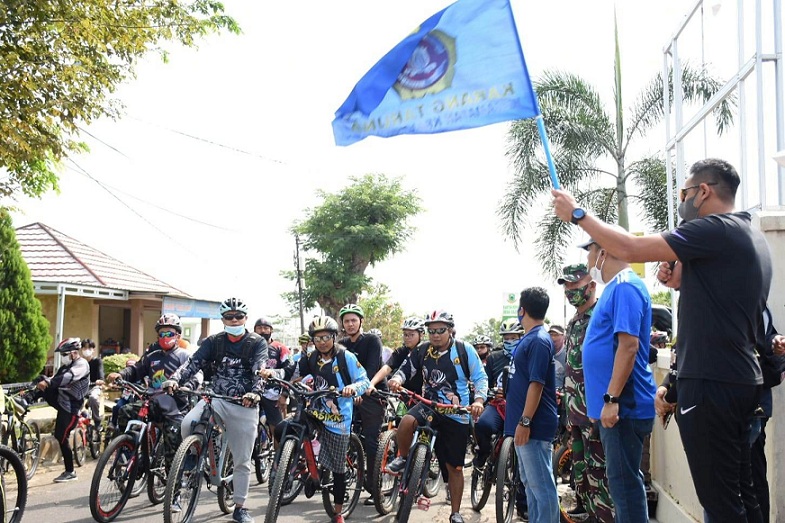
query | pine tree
[24, 331]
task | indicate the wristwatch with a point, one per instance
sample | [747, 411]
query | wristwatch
[525, 421]
[607, 398]
[577, 215]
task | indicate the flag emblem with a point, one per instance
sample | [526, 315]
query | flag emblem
[430, 69]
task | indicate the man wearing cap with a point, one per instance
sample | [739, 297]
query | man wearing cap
[620, 386]
[588, 456]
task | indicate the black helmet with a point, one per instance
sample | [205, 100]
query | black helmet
[69, 345]
[169, 320]
[262, 322]
[323, 323]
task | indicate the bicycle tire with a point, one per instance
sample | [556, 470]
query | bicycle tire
[295, 481]
[506, 481]
[184, 483]
[30, 446]
[385, 484]
[156, 474]
[562, 464]
[433, 484]
[113, 479]
[94, 441]
[262, 454]
[287, 457]
[480, 487]
[355, 474]
[226, 488]
[10, 462]
[414, 481]
[77, 446]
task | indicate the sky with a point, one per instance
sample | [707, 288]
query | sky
[221, 150]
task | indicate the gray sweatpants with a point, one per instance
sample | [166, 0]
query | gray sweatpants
[239, 426]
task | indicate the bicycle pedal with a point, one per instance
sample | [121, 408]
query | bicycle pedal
[423, 503]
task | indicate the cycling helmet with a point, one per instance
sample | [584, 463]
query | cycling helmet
[510, 326]
[304, 338]
[351, 307]
[169, 320]
[440, 317]
[483, 340]
[375, 332]
[233, 304]
[262, 322]
[413, 324]
[323, 323]
[69, 345]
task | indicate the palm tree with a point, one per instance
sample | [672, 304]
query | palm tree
[585, 139]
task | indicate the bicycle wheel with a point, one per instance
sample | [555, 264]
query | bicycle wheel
[507, 481]
[113, 479]
[414, 481]
[94, 441]
[262, 454]
[386, 484]
[480, 486]
[287, 459]
[562, 465]
[295, 479]
[156, 474]
[433, 484]
[185, 481]
[13, 484]
[30, 447]
[226, 488]
[77, 446]
[355, 474]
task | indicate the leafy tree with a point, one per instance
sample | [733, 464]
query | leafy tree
[585, 139]
[661, 298]
[383, 314]
[24, 332]
[62, 60]
[488, 328]
[359, 226]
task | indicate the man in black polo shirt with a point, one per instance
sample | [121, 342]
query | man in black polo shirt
[368, 349]
[722, 267]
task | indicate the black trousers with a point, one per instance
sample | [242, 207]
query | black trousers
[714, 423]
[759, 466]
[64, 424]
[371, 417]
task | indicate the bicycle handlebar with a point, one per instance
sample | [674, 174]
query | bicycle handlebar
[301, 390]
[459, 409]
[212, 395]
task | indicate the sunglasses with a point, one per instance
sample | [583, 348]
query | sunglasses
[167, 334]
[238, 316]
[324, 337]
[683, 192]
[440, 330]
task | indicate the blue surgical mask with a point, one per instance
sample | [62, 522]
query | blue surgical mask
[235, 330]
[509, 347]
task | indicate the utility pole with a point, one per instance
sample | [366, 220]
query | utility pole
[299, 280]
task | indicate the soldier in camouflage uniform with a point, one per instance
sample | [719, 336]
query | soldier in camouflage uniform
[588, 457]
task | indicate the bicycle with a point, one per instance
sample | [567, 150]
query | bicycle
[131, 461]
[415, 473]
[85, 436]
[484, 477]
[263, 451]
[13, 486]
[22, 437]
[201, 456]
[296, 461]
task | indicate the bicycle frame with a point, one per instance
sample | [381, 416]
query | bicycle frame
[213, 453]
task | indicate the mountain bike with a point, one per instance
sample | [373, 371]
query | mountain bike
[296, 462]
[484, 477]
[85, 436]
[131, 461]
[416, 472]
[13, 486]
[263, 451]
[15, 432]
[201, 456]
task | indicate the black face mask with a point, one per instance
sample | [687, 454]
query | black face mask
[266, 336]
[687, 209]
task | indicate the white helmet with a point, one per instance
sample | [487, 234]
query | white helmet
[233, 304]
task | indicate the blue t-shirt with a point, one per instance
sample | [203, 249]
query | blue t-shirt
[533, 361]
[625, 306]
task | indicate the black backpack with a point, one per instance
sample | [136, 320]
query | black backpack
[340, 355]
[219, 344]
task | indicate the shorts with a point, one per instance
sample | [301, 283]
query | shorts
[451, 436]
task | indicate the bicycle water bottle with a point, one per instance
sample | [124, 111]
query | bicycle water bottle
[316, 446]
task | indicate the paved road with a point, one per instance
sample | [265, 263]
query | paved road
[68, 503]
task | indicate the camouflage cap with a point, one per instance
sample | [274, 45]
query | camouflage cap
[573, 273]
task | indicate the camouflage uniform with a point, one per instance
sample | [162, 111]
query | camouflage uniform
[588, 457]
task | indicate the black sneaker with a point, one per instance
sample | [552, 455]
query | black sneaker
[65, 477]
[241, 515]
[397, 465]
[369, 502]
[456, 517]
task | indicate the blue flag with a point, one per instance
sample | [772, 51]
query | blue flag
[461, 68]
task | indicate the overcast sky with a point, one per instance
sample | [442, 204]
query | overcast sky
[210, 212]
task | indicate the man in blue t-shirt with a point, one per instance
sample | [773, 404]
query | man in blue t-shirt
[531, 407]
[619, 384]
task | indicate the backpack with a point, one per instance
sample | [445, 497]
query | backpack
[463, 362]
[340, 355]
[219, 343]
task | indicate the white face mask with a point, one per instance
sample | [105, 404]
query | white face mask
[87, 353]
[235, 330]
[596, 272]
